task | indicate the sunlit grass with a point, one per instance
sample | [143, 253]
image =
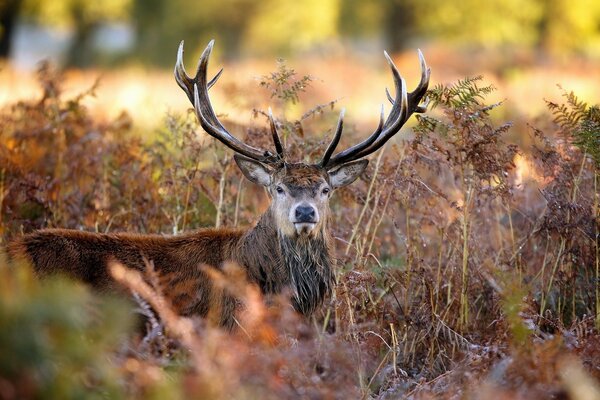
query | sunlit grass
[356, 82]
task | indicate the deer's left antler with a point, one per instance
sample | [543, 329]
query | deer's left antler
[403, 106]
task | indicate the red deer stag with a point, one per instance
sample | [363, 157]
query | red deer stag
[288, 247]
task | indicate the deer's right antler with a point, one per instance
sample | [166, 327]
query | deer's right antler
[196, 90]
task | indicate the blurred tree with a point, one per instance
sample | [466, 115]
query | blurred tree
[267, 27]
[162, 24]
[399, 23]
[569, 25]
[394, 21]
[9, 10]
[482, 23]
[555, 26]
[360, 19]
[281, 26]
[82, 16]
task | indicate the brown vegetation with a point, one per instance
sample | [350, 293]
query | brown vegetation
[467, 267]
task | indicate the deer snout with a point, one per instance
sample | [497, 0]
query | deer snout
[305, 213]
[304, 216]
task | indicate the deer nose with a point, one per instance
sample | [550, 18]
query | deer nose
[305, 214]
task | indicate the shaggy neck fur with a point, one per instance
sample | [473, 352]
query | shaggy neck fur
[276, 261]
[308, 264]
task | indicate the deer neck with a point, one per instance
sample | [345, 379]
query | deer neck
[275, 261]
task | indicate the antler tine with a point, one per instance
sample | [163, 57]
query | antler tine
[187, 83]
[398, 116]
[197, 91]
[421, 89]
[391, 122]
[275, 135]
[201, 79]
[335, 140]
[421, 108]
[389, 96]
[403, 106]
[202, 104]
[184, 81]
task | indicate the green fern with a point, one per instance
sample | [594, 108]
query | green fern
[587, 134]
[426, 124]
[464, 100]
[580, 121]
[464, 94]
[568, 115]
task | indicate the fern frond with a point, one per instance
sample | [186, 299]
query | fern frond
[587, 134]
[464, 94]
[579, 121]
[568, 115]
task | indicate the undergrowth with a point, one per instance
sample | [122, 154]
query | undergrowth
[467, 267]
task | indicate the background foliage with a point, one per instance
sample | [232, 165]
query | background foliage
[284, 26]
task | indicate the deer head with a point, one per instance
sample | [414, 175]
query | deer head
[300, 192]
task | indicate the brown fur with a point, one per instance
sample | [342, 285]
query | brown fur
[179, 262]
[302, 175]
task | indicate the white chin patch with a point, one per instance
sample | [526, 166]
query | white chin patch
[304, 227]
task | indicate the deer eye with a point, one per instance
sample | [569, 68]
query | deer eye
[326, 190]
[279, 190]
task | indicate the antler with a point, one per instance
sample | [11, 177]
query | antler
[196, 90]
[403, 106]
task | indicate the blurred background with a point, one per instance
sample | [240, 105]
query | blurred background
[522, 47]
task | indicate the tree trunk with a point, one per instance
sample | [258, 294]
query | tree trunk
[398, 25]
[9, 11]
[80, 52]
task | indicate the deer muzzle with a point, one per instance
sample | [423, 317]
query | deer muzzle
[305, 217]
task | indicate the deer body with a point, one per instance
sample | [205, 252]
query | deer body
[270, 261]
[288, 247]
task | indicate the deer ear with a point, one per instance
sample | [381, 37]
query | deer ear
[253, 170]
[347, 173]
